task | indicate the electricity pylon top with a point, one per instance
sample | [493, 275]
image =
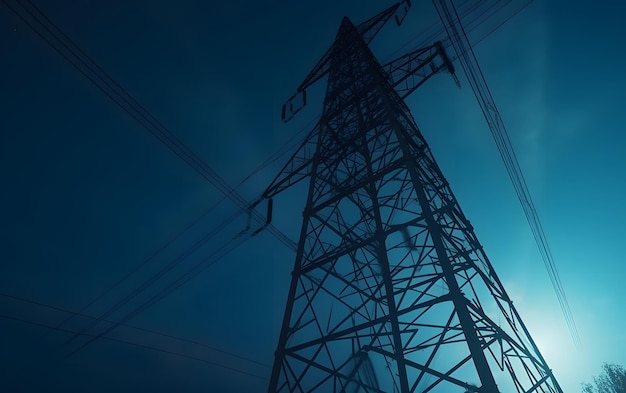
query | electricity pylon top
[391, 290]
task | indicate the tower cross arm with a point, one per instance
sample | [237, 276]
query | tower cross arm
[410, 71]
[367, 30]
[370, 28]
[297, 168]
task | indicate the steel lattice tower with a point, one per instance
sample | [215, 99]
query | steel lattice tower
[391, 289]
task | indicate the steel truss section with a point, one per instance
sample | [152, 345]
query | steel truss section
[391, 290]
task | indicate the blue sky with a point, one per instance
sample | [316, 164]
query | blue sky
[88, 194]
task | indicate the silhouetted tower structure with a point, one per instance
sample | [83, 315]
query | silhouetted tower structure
[391, 290]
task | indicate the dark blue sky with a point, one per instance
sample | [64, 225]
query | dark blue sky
[88, 195]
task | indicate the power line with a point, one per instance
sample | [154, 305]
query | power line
[194, 271]
[438, 32]
[471, 67]
[86, 66]
[76, 57]
[158, 275]
[141, 265]
[289, 145]
[166, 335]
[508, 18]
[234, 369]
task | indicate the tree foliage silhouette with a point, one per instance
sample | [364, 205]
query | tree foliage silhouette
[611, 380]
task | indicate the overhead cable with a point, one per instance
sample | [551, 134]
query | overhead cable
[194, 271]
[467, 58]
[162, 350]
[48, 31]
[140, 329]
[146, 284]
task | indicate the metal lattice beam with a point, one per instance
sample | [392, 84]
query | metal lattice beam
[391, 290]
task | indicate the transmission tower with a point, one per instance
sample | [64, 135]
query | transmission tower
[391, 289]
